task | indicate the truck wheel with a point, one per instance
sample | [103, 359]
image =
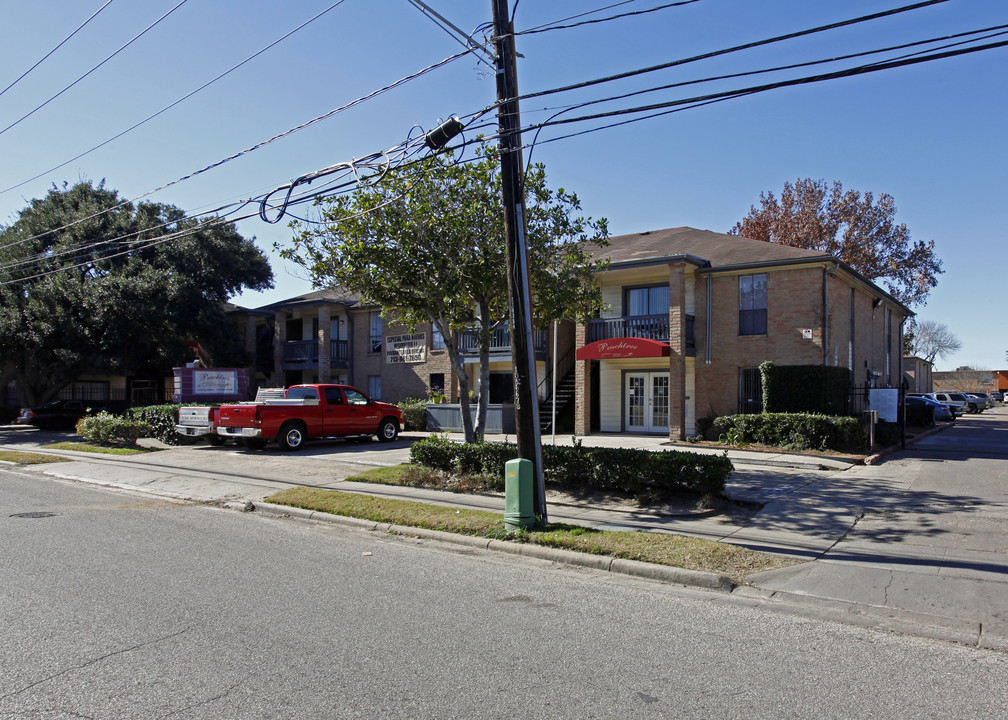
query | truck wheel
[388, 430]
[292, 436]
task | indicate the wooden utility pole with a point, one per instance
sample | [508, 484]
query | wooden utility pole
[513, 184]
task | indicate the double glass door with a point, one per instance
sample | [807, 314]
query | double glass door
[647, 402]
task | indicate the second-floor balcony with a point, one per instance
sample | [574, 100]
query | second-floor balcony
[651, 327]
[302, 352]
[500, 341]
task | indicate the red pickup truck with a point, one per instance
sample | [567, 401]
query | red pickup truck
[308, 412]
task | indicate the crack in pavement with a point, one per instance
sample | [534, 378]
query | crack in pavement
[96, 660]
[201, 703]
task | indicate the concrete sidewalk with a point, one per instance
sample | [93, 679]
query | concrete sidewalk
[888, 545]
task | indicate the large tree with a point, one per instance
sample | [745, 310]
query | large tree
[426, 243]
[931, 340]
[87, 289]
[852, 226]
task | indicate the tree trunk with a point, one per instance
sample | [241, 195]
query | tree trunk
[463, 378]
[484, 370]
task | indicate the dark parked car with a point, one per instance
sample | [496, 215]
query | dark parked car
[58, 414]
[924, 411]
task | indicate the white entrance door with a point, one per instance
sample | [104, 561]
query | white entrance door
[647, 402]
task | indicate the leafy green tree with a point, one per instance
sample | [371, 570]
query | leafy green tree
[426, 243]
[85, 291]
[852, 227]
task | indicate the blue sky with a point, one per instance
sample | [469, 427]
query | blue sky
[931, 135]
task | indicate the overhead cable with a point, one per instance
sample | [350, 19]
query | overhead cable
[180, 100]
[135, 38]
[554, 26]
[736, 48]
[61, 44]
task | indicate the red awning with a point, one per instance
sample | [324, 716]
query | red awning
[615, 348]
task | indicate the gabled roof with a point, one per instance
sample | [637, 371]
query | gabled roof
[332, 296]
[703, 248]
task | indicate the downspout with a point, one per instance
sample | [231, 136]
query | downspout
[827, 274]
[708, 305]
[351, 380]
[901, 396]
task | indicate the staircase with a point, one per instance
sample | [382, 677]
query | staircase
[564, 396]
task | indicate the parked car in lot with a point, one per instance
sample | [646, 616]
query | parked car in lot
[981, 400]
[971, 404]
[996, 396]
[918, 406]
[957, 409]
[59, 414]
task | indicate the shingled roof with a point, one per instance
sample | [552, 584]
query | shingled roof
[703, 247]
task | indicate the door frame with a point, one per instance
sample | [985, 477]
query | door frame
[648, 373]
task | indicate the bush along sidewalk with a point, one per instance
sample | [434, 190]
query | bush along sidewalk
[794, 431]
[641, 473]
[107, 429]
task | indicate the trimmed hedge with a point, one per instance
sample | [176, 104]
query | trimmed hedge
[161, 419]
[414, 413]
[797, 431]
[804, 388]
[108, 429]
[641, 473]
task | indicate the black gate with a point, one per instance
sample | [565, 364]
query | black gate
[750, 391]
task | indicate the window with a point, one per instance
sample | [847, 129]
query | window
[753, 304]
[355, 397]
[374, 387]
[436, 381]
[647, 300]
[333, 396]
[437, 339]
[302, 393]
[376, 332]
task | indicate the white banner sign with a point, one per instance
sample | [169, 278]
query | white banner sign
[885, 401]
[215, 382]
[401, 349]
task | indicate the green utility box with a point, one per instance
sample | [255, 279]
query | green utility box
[518, 499]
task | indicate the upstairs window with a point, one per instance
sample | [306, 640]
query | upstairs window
[752, 304]
[376, 333]
[647, 300]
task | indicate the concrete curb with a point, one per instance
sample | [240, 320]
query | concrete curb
[877, 457]
[661, 573]
[877, 617]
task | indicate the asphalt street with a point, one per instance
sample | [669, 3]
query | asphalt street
[119, 604]
[917, 543]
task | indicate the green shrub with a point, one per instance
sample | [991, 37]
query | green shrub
[813, 389]
[641, 473]
[414, 413]
[795, 431]
[107, 429]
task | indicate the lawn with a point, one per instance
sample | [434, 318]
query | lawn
[660, 548]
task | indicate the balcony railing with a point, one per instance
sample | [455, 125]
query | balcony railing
[307, 351]
[652, 327]
[300, 351]
[500, 341]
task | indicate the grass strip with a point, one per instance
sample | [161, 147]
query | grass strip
[28, 458]
[661, 548]
[103, 449]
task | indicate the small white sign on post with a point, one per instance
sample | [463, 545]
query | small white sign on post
[886, 402]
[806, 333]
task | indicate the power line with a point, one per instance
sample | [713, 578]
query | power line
[729, 94]
[736, 48]
[135, 38]
[61, 44]
[177, 102]
[554, 26]
[264, 143]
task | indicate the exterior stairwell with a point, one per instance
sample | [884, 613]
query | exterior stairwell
[564, 396]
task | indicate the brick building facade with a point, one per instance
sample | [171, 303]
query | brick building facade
[692, 314]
